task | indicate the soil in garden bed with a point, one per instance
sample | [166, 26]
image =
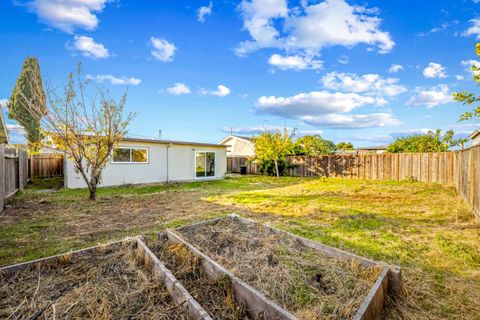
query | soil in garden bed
[108, 283]
[215, 296]
[302, 280]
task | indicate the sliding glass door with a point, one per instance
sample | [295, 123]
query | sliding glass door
[204, 164]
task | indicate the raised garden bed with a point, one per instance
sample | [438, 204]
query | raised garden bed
[309, 280]
[256, 305]
[116, 281]
[214, 294]
[228, 268]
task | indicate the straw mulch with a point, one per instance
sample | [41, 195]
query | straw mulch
[216, 296]
[108, 283]
[303, 281]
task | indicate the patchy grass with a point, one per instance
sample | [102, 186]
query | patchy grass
[425, 228]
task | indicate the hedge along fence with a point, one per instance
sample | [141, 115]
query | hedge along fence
[458, 168]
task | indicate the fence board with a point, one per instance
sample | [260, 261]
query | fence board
[459, 168]
[51, 165]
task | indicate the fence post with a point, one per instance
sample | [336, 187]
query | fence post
[22, 169]
[2, 177]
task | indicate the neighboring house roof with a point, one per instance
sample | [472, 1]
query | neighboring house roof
[384, 147]
[3, 130]
[160, 141]
[248, 139]
[474, 134]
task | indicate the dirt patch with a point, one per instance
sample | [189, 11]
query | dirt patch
[108, 283]
[216, 297]
[303, 281]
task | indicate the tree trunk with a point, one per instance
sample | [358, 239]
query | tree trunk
[92, 187]
[93, 194]
[276, 168]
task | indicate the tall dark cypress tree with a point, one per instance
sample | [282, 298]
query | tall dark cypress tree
[27, 103]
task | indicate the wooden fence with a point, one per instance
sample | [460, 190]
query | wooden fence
[14, 173]
[459, 168]
[47, 165]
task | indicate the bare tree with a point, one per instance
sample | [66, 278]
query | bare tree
[85, 127]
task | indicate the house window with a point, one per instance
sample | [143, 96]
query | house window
[130, 155]
[205, 164]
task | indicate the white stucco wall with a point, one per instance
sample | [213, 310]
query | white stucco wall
[476, 140]
[181, 166]
[239, 147]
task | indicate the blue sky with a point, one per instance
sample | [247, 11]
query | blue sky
[359, 71]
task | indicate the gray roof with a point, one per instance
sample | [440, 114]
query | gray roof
[384, 147]
[161, 141]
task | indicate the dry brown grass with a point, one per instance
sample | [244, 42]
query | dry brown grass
[215, 296]
[425, 228]
[309, 284]
[110, 283]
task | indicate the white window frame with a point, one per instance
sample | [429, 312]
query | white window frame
[131, 162]
[195, 165]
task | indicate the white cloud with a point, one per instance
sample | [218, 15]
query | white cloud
[468, 64]
[204, 11]
[434, 70]
[309, 132]
[311, 28]
[343, 59]
[89, 48]
[252, 130]
[335, 22]
[314, 103]
[178, 89]
[258, 16]
[16, 128]
[387, 138]
[3, 104]
[444, 26]
[68, 15]
[221, 91]
[474, 30]
[410, 132]
[295, 62]
[352, 121]
[367, 83]
[115, 80]
[394, 68]
[459, 77]
[162, 49]
[430, 98]
[376, 139]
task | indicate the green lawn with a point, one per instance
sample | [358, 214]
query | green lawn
[424, 228]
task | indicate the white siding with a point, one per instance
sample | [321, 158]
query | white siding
[239, 147]
[476, 140]
[181, 166]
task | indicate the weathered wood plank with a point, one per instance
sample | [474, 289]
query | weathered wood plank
[459, 168]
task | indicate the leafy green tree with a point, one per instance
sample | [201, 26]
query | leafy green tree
[313, 146]
[430, 142]
[469, 98]
[273, 146]
[28, 91]
[345, 146]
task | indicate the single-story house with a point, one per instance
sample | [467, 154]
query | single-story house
[4, 138]
[369, 150]
[238, 146]
[137, 161]
[475, 137]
